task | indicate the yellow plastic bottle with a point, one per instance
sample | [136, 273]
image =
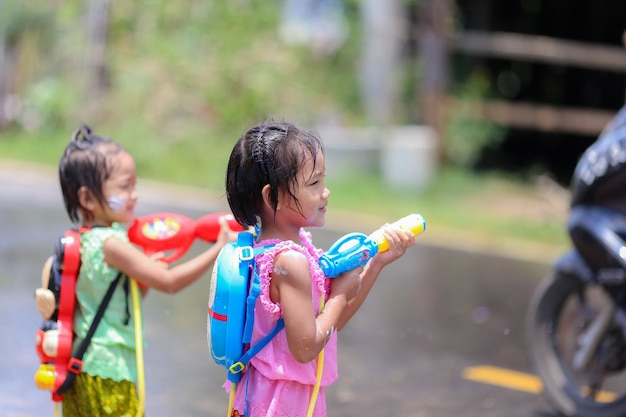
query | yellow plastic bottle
[44, 377]
[414, 223]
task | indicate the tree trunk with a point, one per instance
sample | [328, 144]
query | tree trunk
[7, 69]
[434, 27]
[96, 72]
[384, 32]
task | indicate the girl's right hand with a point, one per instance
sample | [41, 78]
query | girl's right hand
[346, 284]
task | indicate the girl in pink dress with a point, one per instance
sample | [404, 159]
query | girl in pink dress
[275, 180]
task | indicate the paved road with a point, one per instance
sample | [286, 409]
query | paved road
[439, 335]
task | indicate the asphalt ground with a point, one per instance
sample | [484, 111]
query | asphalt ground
[440, 336]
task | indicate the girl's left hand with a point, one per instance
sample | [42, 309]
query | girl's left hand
[346, 284]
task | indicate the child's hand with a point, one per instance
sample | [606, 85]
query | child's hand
[226, 233]
[399, 241]
[346, 284]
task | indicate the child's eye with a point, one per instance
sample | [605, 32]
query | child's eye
[130, 186]
[131, 183]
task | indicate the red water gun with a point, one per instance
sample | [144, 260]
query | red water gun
[166, 232]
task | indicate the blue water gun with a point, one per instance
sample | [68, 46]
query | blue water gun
[355, 249]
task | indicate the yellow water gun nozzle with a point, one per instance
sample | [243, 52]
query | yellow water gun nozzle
[413, 223]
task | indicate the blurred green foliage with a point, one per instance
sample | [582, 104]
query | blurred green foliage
[468, 136]
[209, 64]
[186, 78]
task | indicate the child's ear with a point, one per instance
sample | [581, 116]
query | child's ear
[267, 199]
[86, 198]
[265, 194]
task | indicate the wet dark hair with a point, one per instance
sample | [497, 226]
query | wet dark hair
[269, 153]
[86, 162]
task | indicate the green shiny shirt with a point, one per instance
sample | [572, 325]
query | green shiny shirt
[111, 353]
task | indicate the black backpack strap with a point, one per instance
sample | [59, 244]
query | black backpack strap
[127, 297]
[75, 364]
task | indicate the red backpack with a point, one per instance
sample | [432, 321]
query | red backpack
[56, 301]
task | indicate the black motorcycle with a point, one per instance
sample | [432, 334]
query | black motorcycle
[576, 321]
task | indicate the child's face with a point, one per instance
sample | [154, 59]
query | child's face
[311, 193]
[119, 190]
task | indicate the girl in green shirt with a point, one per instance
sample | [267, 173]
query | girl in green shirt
[98, 180]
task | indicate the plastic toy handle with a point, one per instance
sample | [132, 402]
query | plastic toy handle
[413, 223]
[347, 253]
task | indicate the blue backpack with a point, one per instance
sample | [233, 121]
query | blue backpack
[234, 289]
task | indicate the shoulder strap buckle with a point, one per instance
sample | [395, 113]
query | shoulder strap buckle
[75, 365]
[237, 367]
[245, 253]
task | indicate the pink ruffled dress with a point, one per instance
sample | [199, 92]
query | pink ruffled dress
[276, 384]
